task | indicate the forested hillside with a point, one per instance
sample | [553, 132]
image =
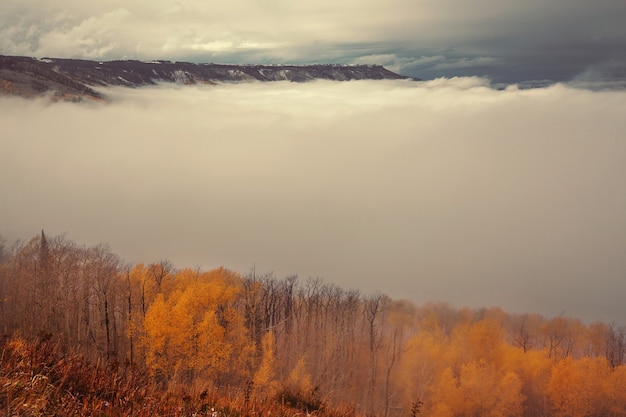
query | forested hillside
[255, 336]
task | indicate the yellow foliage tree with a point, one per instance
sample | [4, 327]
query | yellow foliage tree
[424, 360]
[445, 398]
[509, 397]
[157, 328]
[482, 340]
[264, 378]
[486, 392]
[194, 331]
[616, 394]
[299, 378]
[534, 368]
[578, 388]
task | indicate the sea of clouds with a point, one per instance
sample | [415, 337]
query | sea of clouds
[444, 190]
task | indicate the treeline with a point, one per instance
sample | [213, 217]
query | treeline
[257, 336]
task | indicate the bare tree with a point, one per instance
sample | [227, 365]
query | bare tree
[102, 268]
[615, 347]
[159, 272]
[524, 339]
[373, 310]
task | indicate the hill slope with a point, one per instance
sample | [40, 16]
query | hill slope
[73, 79]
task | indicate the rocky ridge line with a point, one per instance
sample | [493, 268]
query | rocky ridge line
[73, 79]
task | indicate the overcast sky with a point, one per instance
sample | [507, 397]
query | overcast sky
[445, 190]
[504, 40]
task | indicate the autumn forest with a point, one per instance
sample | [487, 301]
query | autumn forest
[219, 335]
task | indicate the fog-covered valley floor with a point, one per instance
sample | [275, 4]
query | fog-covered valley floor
[445, 190]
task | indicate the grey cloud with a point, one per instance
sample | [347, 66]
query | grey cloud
[505, 40]
[440, 190]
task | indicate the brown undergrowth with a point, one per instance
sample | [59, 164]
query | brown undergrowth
[37, 379]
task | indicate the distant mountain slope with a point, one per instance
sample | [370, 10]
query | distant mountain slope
[28, 77]
[72, 79]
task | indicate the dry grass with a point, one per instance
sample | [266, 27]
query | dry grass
[36, 379]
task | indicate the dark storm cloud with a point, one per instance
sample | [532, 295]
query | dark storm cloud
[508, 41]
[443, 190]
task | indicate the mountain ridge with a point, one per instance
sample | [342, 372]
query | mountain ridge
[75, 79]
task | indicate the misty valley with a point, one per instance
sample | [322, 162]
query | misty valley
[438, 248]
[380, 208]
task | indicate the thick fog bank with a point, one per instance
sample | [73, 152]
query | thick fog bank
[442, 190]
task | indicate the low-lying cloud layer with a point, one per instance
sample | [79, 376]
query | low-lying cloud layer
[443, 190]
[509, 41]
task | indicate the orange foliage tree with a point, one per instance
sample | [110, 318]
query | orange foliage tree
[194, 331]
[578, 388]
